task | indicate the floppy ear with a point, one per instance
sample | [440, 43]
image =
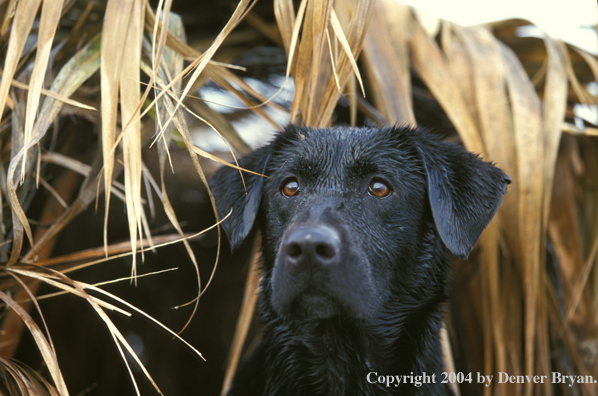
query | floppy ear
[244, 200]
[464, 192]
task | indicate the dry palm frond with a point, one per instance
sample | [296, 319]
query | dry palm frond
[120, 79]
[44, 344]
[527, 296]
[61, 281]
[17, 379]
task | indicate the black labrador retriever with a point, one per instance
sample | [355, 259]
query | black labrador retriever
[354, 225]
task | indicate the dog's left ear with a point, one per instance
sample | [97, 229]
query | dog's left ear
[243, 198]
[464, 192]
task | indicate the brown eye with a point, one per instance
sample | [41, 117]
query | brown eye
[378, 189]
[290, 188]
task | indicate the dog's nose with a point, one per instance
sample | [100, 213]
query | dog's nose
[317, 244]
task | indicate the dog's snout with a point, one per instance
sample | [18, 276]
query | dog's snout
[318, 244]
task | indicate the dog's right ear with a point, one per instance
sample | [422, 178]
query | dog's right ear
[244, 199]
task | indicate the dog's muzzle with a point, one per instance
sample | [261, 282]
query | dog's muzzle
[318, 274]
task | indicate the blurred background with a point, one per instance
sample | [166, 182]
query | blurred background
[94, 164]
[571, 21]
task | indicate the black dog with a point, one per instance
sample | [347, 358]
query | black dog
[354, 226]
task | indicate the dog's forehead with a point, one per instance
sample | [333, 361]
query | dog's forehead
[337, 152]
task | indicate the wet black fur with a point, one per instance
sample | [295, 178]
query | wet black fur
[381, 309]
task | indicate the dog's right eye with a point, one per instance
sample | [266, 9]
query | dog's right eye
[290, 188]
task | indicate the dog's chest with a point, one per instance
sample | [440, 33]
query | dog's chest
[329, 362]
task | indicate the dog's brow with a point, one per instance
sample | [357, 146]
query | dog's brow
[362, 167]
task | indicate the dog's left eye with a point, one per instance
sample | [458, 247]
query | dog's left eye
[290, 188]
[379, 189]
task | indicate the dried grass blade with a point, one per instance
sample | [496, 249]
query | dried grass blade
[71, 76]
[91, 186]
[221, 124]
[163, 241]
[351, 92]
[19, 219]
[386, 58]
[38, 381]
[564, 223]
[8, 16]
[543, 355]
[129, 98]
[214, 70]
[460, 65]
[179, 121]
[527, 125]
[193, 147]
[117, 15]
[225, 79]
[52, 281]
[553, 114]
[201, 63]
[20, 224]
[23, 20]
[575, 130]
[284, 13]
[317, 21]
[493, 318]
[21, 384]
[162, 24]
[304, 54]
[489, 93]
[46, 350]
[582, 94]
[298, 22]
[173, 64]
[245, 316]
[66, 162]
[132, 307]
[172, 41]
[211, 156]
[490, 103]
[160, 28]
[581, 283]
[431, 67]
[87, 194]
[158, 51]
[75, 288]
[115, 250]
[32, 298]
[50, 16]
[119, 340]
[25, 381]
[76, 71]
[590, 60]
[56, 96]
[332, 57]
[340, 35]
[53, 192]
[85, 286]
[360, 17]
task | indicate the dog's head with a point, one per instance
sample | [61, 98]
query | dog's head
[354, 217]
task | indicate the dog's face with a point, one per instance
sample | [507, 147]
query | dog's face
[341, 208]
[347, 215]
